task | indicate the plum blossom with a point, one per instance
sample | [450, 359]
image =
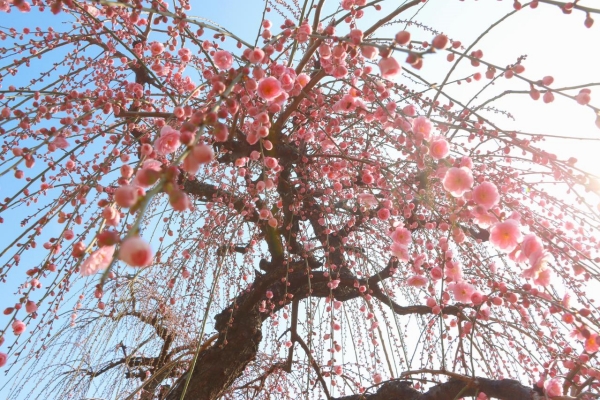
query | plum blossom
[111, 215]
[422, 126]
[462, 291]
[553, 387]
[30, 307]
[505, 236]
[99, 260]
[18, 327]
[482, 218]
[530, 245]
[148, 174]
[256, 55]
[304, 32]
[439, 148]
[401, 236]
[389, 67]
[156, 48]
[269, 88]
[168, 142]
[126, 195]
[136, 252]
[333, 284]
[486, 195]
[367, 199]
[539, 271]
[346, 104]
[592, 343]
[458, 180]
[416, 281]
[3, 358]
[377, 378]
[400, 251]
[223, 59]
[203, 153]
[453, 271]
[369, 52]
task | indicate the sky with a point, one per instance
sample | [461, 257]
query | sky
[555, 44]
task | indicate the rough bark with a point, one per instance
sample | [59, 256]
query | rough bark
[505, 389]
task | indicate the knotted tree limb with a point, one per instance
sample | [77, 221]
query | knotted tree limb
[505, 389]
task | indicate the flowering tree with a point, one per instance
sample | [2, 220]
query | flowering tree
[190, 215]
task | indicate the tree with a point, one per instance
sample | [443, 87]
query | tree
[190, 215]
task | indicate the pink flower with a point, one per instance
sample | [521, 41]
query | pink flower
[591, 343]
[422, 126]
[543, 277]
[402, 38]
[156, 48]
[3, 358]
[126, 196]
[190, 165]
[111, 215]
[389, 67]
[367, 199]
[30, 307]
[271, 162]
[303, 79]
[369, 52]
[466, 162]
[399, 251]
[436, 273]
[168, 142]
[269, 88]
[505, 236]
[333, 284]
[553, 387]
[185, 54]
[530, 245]
[148, 174]
[438, 148]
[179, 200]
[462, 291]
[60, 142]
[477, 298]
[482, 218]
[486, 195]
[99, 260]
[383, 214]
[255, 56]
[401, 236]
[377, 378]
[356, 36]
[453, 271]
[223, 59]
[539, 271]
[136, 252]
[458, 180]
[304, 31]
[417, 281]
[18, 327]
[346, 104]
[203, 153]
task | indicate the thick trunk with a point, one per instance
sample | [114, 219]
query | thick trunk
[218, 366]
